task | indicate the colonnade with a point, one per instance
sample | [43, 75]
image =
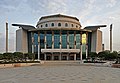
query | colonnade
[32, 37]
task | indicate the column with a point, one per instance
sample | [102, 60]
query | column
[60, 56]
[32, 42]
[86, 44]
[45, 56]
[67, 56]
[74, 44]
[60, 43]
[67, 39]
[38, 46]
[45, 39]
[52, 39]
[81, 46]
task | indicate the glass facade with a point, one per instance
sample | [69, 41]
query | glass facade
[56, 42]
[42, 44]
[71, 40]
[49, 40]
[77, 41]
[56, 39]
[64, 40]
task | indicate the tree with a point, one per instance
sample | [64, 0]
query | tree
[18, 56]
[30, 56]
[1, 56]
[8, 57]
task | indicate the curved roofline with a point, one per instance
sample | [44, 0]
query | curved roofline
[58, 15]
[25, 27]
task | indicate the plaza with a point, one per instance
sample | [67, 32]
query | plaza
[60, 74]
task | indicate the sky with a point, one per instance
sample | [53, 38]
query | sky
[89, 12]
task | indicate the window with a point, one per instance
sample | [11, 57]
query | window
[46, 25]
[72, 25]
[41, 26]
[66, 25]
[52, 24]
[76, 26]
[59, 24]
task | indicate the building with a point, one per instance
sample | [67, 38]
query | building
[58, 37]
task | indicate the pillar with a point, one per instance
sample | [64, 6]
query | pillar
[45, 39]
[67, 39]
[86, 45]
[45, 56]
[67, 56]
[60, 43]
[6, 37]
[111, 38]
[38, 46]
[32, 42]
[74, 44]
[81, 46]
[52, 39]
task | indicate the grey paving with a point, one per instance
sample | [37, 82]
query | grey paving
[60, 74]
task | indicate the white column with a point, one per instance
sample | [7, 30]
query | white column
[75, 57]
[60, 57]
[60, 43]
[45, 39]
[74, 44]
[67, 39]
[81, 46]
[32, 42]
[38, 46]
[52, 39]
[67, 56]
[86, 44]
[45, 56]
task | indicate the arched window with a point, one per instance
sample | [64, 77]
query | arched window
[59, 24]
[52, 24]
[72, 25]
[76, 26]
[46, 25]
[41, 26]
[66, 25]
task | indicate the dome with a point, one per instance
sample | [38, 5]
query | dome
[58, 21]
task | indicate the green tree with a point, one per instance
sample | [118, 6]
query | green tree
[1, 56]
[8, 57]
[18, 56]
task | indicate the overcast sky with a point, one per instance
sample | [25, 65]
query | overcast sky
[89, 12]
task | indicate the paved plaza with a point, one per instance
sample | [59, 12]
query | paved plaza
[60, 74]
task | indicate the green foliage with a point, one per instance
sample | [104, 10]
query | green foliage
[30, 56]
[1, 56]
[18, 56]
[8, 57]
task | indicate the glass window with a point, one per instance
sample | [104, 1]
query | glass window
[49, 40]
[72, 25]
[41, 26]
[46, 25]
[56, 39]
[71, 40]
[35, 42]
[52, 24]
[42, 40]
[77, 41]
[66, 25]
[59, 24]
[76, 26]
[64, 40]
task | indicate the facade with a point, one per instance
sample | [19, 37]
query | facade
[58, 37]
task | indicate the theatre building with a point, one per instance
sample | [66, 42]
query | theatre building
[58, 37]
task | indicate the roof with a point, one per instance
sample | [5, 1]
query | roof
[93, 28]
[67, 29]
[25, 27]
[58, 15]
